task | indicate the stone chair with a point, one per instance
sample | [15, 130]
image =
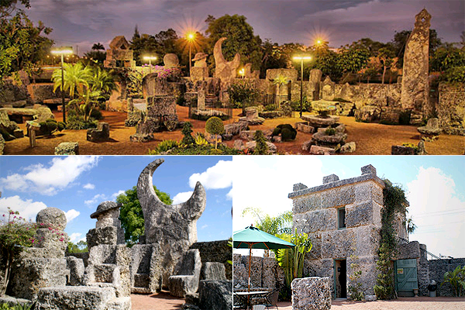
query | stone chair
[431, 131]
[101, 133]
[188, 277]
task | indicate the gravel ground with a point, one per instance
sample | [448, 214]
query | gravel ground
[371, 139]
[420, 303]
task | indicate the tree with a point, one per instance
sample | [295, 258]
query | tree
[462, 37]
[15, 235]
[386, 56]
[353, 58]
[98, 47]
[103, 81]
[22, 44]
[241, 38]
[214, 126]
[76, 78]
[131, 215]
[273, 225]
[80, 247]
[187, 134]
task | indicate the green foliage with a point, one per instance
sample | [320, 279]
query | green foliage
[103, 82]
[261, 148]
[16, 307]
[16, 234]
[200, 140]
[76, 78]
[330, 131]
[454, 74]
[131, 215]
[164, 146]
[80, 247]
[50, 126]
[306, 105]
[280, 224]
[187, 133]
[241, 39]
[242, 94]
[78, 122]
[447, 57]
[271, 107]
[353, 58]
[203, 149]
[292, 260]
[395, 202]
[456, 279]
[355, 286]
[22, 44]
[288, 134]
[214, 126]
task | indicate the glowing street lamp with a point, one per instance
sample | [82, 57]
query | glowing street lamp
[301, 58]
[63, 51]
[190, 38]
[150, 58]
[242, 72]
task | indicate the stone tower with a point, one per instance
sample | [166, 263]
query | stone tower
[415, 86]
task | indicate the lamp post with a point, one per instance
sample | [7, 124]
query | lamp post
[62, 51]
[150, 58]
[190, 39]
[301, 58]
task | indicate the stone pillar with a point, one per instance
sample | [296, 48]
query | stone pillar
[201, 100]
[314, 84]
[415, 85]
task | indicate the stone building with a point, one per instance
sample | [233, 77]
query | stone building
[119, 55]
[343, 220]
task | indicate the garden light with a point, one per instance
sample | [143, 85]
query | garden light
[301, 58]
[62, 51]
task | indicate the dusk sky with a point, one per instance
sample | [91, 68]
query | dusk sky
[78, 184]
[84, 22]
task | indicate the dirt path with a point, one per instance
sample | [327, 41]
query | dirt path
[157, 301]
[371, 139]
[404, 303]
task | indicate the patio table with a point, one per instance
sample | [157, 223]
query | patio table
[243, 296]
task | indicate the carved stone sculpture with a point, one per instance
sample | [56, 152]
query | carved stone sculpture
[225, 70]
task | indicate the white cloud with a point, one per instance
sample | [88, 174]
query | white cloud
[437, 211]
[76, 237]
[216, 177]
[27, 208]
[181, 197]
[266, 181]
[115, 195]
[94, 201]
[71, 215]
[204, 226]
[89, 186]
[49, 180]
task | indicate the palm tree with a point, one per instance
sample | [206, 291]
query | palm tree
[98, 46]
[103, 81]
[76, 79]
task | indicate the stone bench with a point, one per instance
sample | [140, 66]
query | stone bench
[99, 134]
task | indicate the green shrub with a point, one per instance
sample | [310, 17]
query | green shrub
[271, 107]
[96, 114]
[214, 126]
[456, 279]
[242, 94]
[287, 132]
[187, 132]
[261, 148]
[78, 122]
[276, 131]
[164, 146]
[287, 135]
[330, 131]
[201, 150]
[50, 126]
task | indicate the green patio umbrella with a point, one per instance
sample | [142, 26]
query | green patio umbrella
[254, 238]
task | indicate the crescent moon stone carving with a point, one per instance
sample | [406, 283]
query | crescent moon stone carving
[169, 229]
[225, 70]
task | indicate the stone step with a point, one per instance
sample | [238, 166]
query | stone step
[75, 298]
[140, 290]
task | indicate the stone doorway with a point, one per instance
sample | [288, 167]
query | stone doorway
[340, 278]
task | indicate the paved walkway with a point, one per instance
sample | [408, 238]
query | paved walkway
[159, 301]
[407, 303]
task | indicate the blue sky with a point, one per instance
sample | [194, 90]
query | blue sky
[435, 188]
[78, 184]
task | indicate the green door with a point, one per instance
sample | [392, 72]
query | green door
[406, 277]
